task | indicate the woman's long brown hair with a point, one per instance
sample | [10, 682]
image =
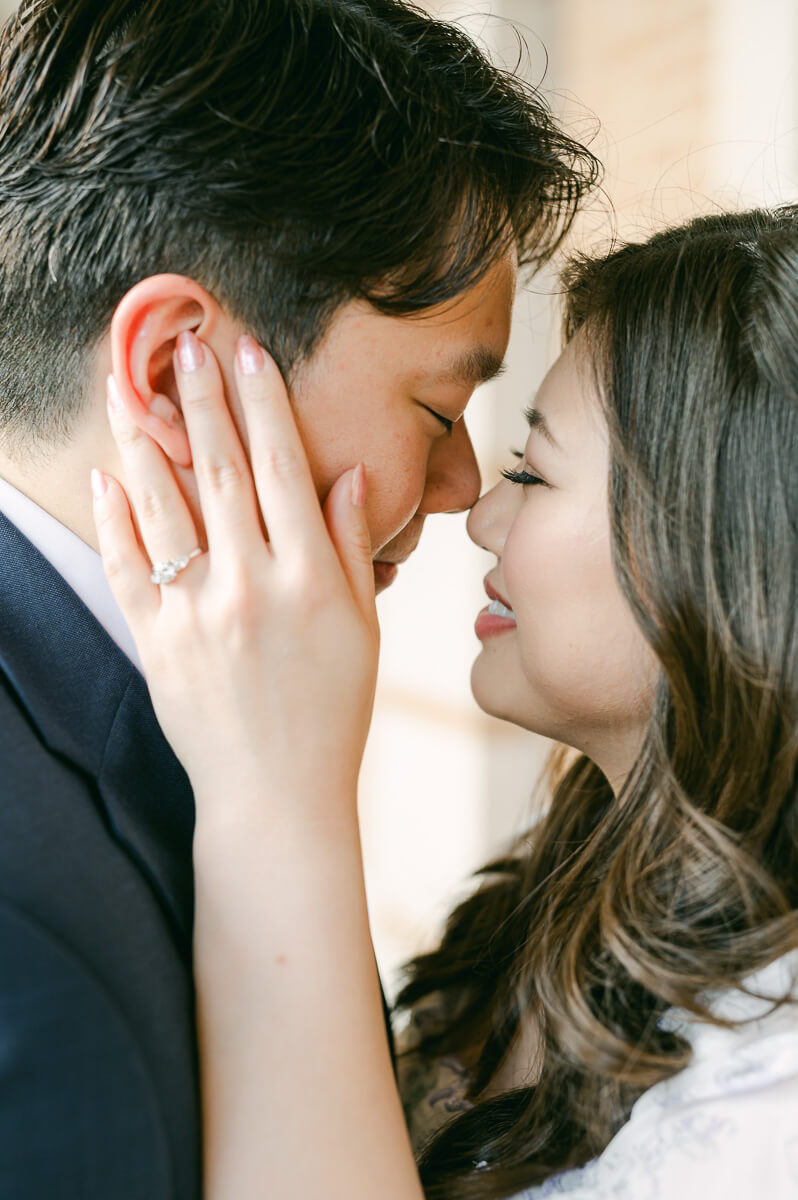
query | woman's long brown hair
[613, 910]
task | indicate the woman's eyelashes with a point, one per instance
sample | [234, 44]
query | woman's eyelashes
[523, 478]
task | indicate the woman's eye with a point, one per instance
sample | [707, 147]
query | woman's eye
[523, 478]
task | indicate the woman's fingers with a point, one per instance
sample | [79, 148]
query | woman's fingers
[285, 487]
[126, 565]
[282, 478]
[166, 525]
[226, 492]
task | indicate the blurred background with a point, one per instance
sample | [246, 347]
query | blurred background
[691, 105]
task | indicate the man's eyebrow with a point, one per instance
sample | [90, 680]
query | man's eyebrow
[473, 367]
[537, 421]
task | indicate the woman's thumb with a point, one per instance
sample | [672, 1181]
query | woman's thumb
[345, 514]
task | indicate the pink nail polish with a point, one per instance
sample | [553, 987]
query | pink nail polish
[99, 484]
[190, 354]
[359, 486]
[251, 359]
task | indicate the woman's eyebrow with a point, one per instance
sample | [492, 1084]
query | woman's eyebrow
[537, 421]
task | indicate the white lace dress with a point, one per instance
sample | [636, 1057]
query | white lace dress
[724, 1128]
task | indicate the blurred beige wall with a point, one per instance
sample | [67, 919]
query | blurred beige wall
[698, 101]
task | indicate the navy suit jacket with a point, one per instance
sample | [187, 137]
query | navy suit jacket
[98, 1070]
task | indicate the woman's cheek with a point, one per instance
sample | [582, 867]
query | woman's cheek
[537, 567]
[556, 573]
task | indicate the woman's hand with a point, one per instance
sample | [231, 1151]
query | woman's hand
[261, 660]
[261, 656]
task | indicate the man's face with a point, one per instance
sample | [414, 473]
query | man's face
[382, 391]
[371, 390]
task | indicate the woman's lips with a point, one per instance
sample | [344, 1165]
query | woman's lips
[497, 618]
[489, 624]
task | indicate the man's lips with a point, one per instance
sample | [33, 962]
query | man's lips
[386, 569]
[384, 574]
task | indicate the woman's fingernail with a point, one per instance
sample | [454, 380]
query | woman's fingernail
[114, 398]
[99, 484]
[359, 486]
[190, 354]
[251, 358]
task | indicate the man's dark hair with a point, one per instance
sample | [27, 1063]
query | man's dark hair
[289, 155]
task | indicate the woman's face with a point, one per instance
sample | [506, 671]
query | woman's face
[569, 660]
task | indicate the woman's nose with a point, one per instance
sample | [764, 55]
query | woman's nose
[490, 518]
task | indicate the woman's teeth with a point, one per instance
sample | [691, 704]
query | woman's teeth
[497, 609]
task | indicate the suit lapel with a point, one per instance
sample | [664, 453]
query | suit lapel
[91, 706]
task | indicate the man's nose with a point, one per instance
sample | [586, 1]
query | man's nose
[453, 479]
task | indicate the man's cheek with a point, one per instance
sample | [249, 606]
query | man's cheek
[391, 508]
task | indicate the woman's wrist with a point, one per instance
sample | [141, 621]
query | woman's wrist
[288, 989]
[241, 822]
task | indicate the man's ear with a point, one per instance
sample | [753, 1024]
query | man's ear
[144, 329]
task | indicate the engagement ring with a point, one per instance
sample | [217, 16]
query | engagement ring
[167, 572]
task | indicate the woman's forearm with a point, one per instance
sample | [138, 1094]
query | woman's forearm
[299, 1096]
[261, 664]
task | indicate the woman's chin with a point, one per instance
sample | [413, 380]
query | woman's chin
[489, 689]
[515, 702]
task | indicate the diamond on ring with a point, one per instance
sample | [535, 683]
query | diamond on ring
[167, 572]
